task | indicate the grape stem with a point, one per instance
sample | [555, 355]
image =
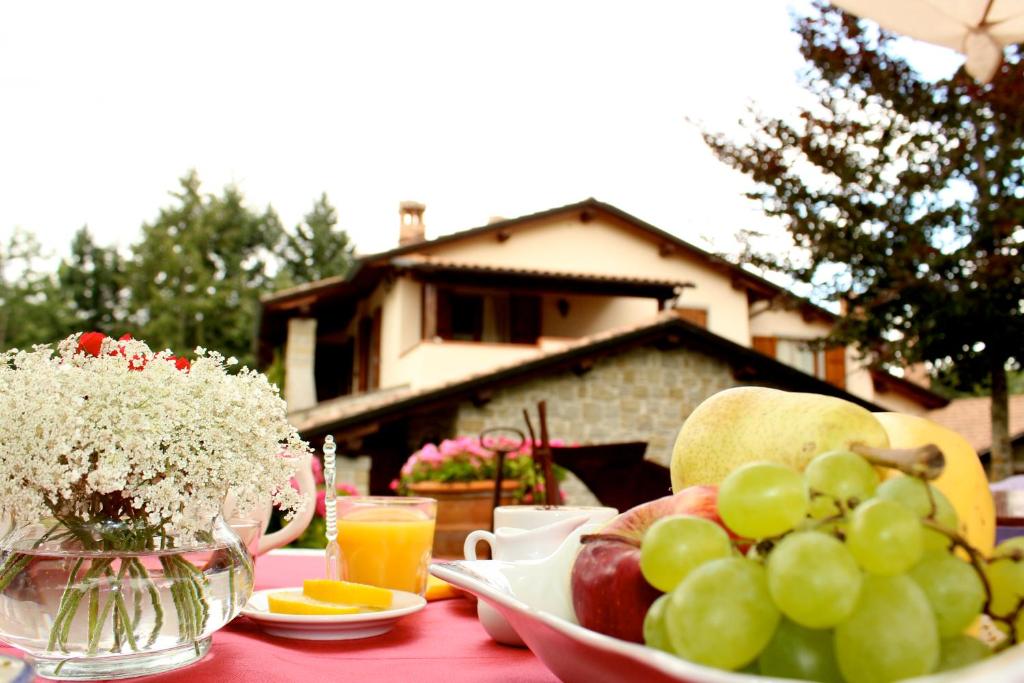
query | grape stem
[925, 461]
[978, 561]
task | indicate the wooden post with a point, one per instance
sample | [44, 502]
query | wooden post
[550, 484]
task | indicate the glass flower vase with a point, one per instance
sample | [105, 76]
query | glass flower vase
[103, 600]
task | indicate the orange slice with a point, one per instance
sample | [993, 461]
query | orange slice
[294, 602]
[438, 589]
[347, 593]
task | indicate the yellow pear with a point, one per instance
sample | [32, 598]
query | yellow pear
[963, 479]
[746, 424]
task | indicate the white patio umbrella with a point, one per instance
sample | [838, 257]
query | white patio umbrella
[980, 29]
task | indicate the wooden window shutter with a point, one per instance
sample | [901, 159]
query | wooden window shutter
[429, 319]
[765, 345]
[375, 350]
[835, 366]
[443, 315]
[525, 319]
[363, 355]
[697, 316]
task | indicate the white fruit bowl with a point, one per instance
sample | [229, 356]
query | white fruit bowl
[579, 655]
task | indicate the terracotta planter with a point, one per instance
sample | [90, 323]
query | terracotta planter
[461, 507]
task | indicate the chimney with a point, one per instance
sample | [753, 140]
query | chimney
[411, 229]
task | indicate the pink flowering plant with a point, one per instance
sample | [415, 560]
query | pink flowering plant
[465, 459]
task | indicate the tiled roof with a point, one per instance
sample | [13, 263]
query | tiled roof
[373, 262]
[336, 409]
[349, 412]
[434, 264]
[971, 418]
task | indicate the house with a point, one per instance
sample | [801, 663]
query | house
[972, 418]
[624, 327]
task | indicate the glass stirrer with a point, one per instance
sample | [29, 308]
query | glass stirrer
[332, 554]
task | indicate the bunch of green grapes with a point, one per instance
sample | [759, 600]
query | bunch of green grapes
[836, 577]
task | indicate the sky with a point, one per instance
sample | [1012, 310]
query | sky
[477, 109]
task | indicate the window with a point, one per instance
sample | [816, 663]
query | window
[466, 317]
[797, 353]
[828, 364]
[333, 368]
[481, 316]
[369, 352]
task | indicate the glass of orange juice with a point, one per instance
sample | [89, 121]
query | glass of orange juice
[386, 540]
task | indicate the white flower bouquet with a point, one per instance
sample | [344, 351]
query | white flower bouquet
[109, 447]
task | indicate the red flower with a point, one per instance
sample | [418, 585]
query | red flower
[179, 362]
[91, 343]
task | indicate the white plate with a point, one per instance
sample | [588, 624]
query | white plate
[579, 655]
[330, 626]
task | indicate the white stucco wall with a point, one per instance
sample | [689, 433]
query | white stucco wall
[589, 315]
[400, 328]
[786, 323]
[604, 246]
[432, 363]
[859, 382]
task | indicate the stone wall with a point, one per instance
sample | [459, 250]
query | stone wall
[643, 394]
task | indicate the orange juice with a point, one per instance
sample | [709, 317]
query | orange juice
[387, 547]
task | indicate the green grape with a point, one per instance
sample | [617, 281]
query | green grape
[834, 527]
[884, 537]
[761, 500]
[1012, 547]
[891, 634]
[673, 546]
[913, 493]
[953, 589]
[655, 634]
[801, 653]
[960, 651]
[822, 507]
[1006, 577]
[1006, 581]
[721, 614]
[842, 476]
[813, 579]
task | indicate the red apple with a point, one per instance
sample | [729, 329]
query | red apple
[609, 594]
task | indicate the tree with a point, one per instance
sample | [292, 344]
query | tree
[199, 270]
[904, 200]
[30, 312]
[315, 250]
[93, 283]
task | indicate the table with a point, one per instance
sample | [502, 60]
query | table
[1009, 514]
[444, 642]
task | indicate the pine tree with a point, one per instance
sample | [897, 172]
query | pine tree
[30, 302]
[92, 282]
[199, 270]
[315, 249]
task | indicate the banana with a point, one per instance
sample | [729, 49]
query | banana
[963, 480]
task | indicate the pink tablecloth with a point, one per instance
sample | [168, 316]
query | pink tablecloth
[444, 642]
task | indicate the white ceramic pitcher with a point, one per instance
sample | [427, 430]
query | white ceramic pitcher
[293, 529]
[521, 551]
